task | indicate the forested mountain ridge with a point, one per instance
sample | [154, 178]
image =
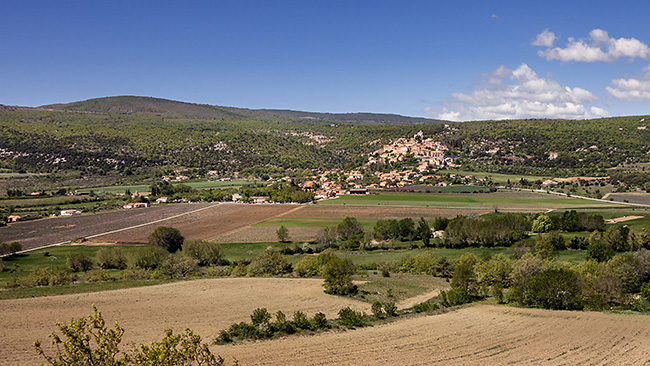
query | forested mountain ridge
[165, 107]
[100, 136]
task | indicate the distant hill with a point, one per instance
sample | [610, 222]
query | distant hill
[365, 118]
[159, 106]
[156, 106]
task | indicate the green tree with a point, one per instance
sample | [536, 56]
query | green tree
[464, 276]
[338, 277]
[542, 224]
[166, 237]
[269, 262]
[557, 289]
[204, 252]
[599, 251]
[424, 232]
[283, 234]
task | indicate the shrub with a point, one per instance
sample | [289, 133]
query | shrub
[80, 262]
[283, 234]
[205, 253]
[319, 321]
[377, 310]
[425, 306]
[178, 266]
[219, 271]
[269, 262]
[260, 316]
[557, 289]
[350, 318]
[147, 258]
[39, 276]
[390, 309]
[111, 258]
[98, 275]
[136, 274]
[168, 238]
[11, 248]
[338, 277]
[301, 321]
[599, 251]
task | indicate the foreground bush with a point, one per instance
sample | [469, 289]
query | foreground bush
[87, 341]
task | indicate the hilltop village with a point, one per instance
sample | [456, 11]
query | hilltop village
[402, 163]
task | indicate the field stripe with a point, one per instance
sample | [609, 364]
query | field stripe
[126, 228]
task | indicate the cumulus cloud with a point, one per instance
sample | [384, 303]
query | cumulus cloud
[600, 47]
[632, 89]
[519, 93]
[544, 39]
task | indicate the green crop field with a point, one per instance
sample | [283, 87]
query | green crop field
[523, 200]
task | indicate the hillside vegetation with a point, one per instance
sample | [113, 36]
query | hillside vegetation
[136, 134]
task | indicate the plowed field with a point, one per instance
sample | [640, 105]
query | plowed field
[206, 224]
[205, 306]
[478, 335]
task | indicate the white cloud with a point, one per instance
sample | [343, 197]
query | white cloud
[632, 89]
[544, 39]
[494, 16]
[519, 93]
[601, 48]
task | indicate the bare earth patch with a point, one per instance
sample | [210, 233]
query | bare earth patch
[623, 219]
[205, 306]
[478, 335]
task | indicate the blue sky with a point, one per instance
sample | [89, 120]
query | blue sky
[458, 60]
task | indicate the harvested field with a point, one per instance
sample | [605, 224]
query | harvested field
[38, 233]
[208, 223]
[477, 335]
[205, 306]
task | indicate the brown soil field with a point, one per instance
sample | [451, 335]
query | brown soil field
[639, 197]
[38, 233]
[623, 219]
[264, 234]
[379, 212]
[205, 306]
[477, 335]
[208, 223]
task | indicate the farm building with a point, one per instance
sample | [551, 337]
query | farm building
[13, 218]
[70, 212]
[259, 199]
[137, 205]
